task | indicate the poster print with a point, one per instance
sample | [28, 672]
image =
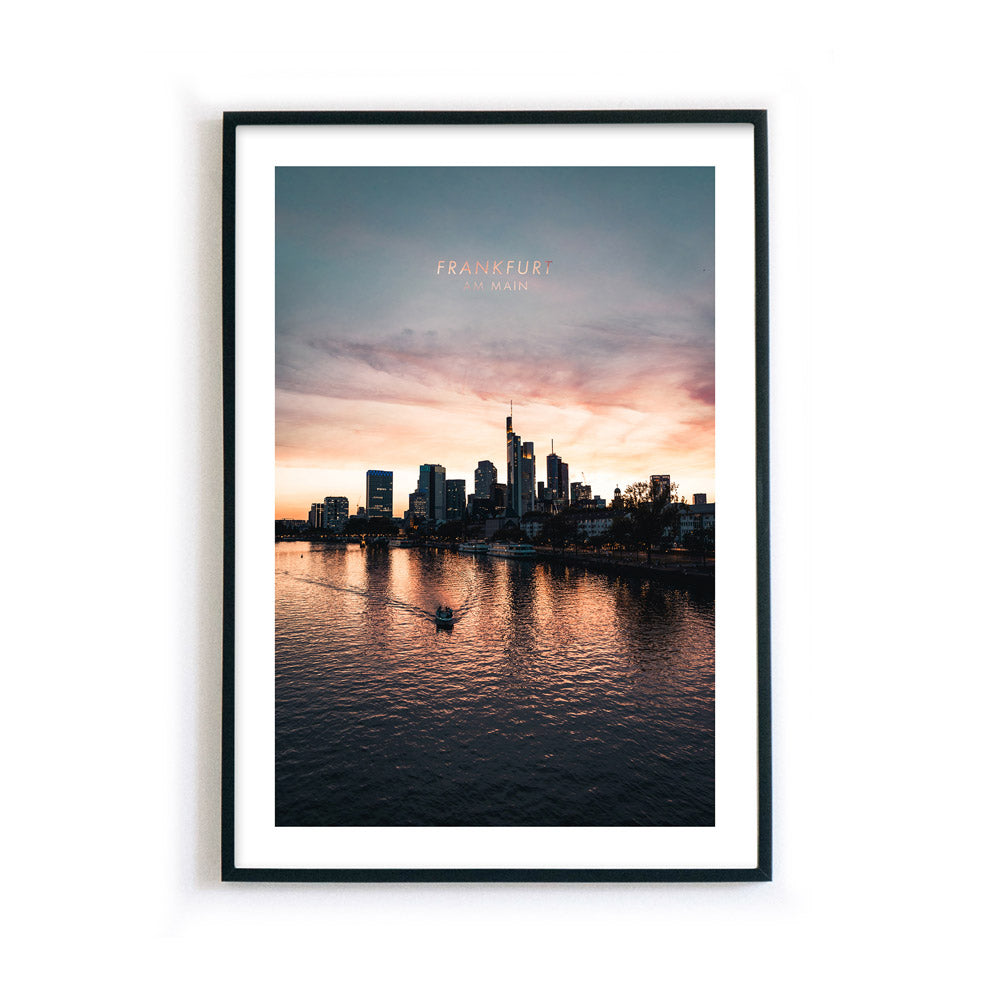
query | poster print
[494, 498]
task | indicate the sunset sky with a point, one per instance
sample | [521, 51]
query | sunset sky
[384, 363]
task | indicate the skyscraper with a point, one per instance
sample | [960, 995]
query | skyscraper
[432, 482]
[455, 502]
[513, 468]
[527, 476]
[556, 475]
[486, 477]
[378, 493]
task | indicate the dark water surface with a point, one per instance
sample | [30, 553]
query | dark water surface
[560, 696]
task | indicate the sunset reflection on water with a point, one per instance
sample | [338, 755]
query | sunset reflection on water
[561, 696]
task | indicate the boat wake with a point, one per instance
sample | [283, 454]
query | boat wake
[388, 599]
[323, 583]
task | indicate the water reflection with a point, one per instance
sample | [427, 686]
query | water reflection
[560, 696]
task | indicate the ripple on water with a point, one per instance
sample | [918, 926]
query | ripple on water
[560, 697]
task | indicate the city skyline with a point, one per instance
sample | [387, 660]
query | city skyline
[384, 360]
[458, 497]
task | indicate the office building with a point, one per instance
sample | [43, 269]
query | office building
[486, 477]
[454, 499]
[378, 493]
[336, 510]
[700, 498]
[418, 506]
[499, 497]
[527, 476]
[552, 463]
[658, 485]
[316, 516]
[480, 508]
[432, 482]
[578, 492]
[557, 478]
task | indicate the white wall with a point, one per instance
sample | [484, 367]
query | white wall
[884, 219]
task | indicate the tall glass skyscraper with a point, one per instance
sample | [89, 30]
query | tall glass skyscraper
[432, 482]
[513, 469]
[556, 476]
[378, 493]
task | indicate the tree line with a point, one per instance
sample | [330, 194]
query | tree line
[641, 522]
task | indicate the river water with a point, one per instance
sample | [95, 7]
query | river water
[560, 697]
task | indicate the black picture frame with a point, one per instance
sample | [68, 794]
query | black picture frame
[231, 870]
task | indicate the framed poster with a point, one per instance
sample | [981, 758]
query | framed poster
[486, 375]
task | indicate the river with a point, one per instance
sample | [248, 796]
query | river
[560, 697]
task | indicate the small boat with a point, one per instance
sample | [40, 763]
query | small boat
[444, 617]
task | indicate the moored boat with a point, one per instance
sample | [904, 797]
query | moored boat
[512, 550]
[473, 547]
